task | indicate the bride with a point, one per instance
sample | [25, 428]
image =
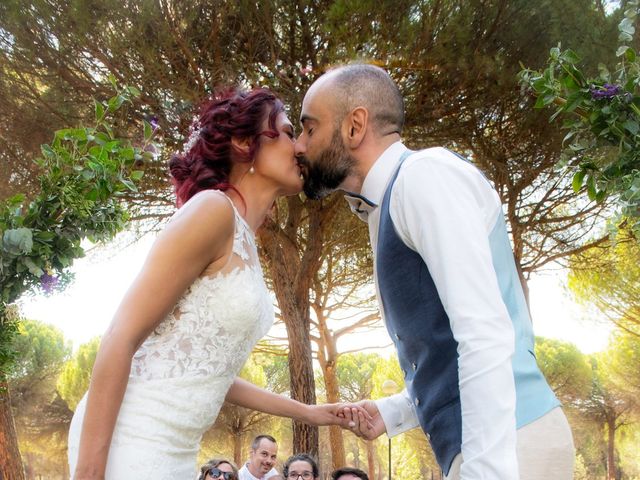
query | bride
[190, 319]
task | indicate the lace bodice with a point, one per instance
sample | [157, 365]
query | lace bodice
[180, 375]
[217, 321]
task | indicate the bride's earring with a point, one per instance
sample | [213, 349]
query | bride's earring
[252, 170]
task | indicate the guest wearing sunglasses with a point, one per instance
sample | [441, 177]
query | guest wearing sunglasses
[301, 467]
[218, 469]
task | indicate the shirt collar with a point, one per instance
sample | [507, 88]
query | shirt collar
[375, 183]
[246, 466]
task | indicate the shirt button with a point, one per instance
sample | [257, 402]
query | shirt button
[415, 366]
[417, 401]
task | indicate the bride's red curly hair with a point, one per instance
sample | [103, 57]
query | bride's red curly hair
[230, 113]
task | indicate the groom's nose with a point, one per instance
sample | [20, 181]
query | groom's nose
[300, 147]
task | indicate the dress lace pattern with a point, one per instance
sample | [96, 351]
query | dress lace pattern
[181, 373]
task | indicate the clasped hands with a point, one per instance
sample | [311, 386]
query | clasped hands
[361, 418]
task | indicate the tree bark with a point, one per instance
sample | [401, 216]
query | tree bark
[371, 459]
[611, 458]
[10, 459]
[237, 449]
[335, 432]
[327, 357]
[292, 264]
[305, 437]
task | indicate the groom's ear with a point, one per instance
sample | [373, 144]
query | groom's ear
[357, 122]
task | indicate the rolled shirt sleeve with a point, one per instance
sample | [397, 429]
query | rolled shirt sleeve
[444, 209]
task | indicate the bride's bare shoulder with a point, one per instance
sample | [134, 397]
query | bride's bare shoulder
[209, 212]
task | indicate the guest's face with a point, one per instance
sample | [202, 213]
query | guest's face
[300, 469]
[223, 468]
[323, 156]
[263, 458]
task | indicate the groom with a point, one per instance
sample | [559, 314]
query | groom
[447, 285]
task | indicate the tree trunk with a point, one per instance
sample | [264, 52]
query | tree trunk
[10, 459]
[337, 444]
[237, 449]
[303, 385]
[327, 357]
[292, 293]
[371, 459]
[611, 438]
[292, 264]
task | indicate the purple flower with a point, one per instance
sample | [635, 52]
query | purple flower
[608, 90]
[154, 122]
[48, 282]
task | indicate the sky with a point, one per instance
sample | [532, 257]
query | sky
[85, 308]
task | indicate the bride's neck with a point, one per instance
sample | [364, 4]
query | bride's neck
[253, 203]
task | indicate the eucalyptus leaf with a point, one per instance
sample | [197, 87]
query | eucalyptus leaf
[18, 241]
[32, 267]
[99, 110]
[578, 179]
[622, 50]
[631, 127]
[148, 130]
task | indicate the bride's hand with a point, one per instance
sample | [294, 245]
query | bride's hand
[331, 414]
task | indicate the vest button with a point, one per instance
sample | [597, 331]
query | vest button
[397, 337]
[417, 401]
[415, 366]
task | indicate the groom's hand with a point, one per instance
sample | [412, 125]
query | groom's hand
[332, 414]
[367, 428]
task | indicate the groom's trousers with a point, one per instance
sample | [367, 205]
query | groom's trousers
[545, 450]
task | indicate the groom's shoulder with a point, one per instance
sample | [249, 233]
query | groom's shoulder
[438, 159]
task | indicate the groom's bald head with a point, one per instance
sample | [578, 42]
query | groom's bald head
[360, 85]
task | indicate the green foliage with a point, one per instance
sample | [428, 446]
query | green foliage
[565, 368]
[9, 323]
[40, 351]
[74, 379]
[602, 116]
[608, 277]
[387, 369]
[623, 366]
[355, 375]
[41, 417]
[84, 172]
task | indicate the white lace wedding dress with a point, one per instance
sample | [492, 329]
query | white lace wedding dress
[181, 373]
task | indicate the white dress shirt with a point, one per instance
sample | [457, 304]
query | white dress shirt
[444, 209]
[245, 474]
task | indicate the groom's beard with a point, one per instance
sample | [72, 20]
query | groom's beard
[326, 173]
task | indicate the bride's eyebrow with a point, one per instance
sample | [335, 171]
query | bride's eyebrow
[288, 128]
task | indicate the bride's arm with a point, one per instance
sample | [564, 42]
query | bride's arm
[248, 395]
[200, 236]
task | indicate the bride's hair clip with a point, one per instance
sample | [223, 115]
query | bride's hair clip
[194, 135]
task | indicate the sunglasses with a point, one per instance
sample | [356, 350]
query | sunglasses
[217, 473]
